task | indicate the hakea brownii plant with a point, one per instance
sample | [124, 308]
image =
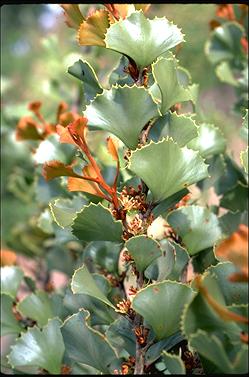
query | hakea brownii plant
[160, 287]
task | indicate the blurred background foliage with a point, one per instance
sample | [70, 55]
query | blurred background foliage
[37, 48]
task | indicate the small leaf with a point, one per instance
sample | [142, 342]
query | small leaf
[143, 250]
[54, 169]
[28, 129]
[102, 254]
[92, 30]
[244, 128]
[121, 336]
[112, 148]
[11, 278]
[230, 198]
[96, 223]
[182, 167]
[83, 282]
[104, 111]
[192, 224]
[160, 268]
[225, 73]
[174, 363]
[165, 75]
[64, 210]
[161, 305]
[142, 39]
[182, 128]
[42, 348]
[210, 141]
[86, 345]
[83, 71]
[37, 306]
[9, 324]
[45, 222]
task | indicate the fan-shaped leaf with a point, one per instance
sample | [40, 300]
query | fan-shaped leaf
[142, 39]
[123, 111]
[166, 168]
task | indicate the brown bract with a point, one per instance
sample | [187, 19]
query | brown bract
[72, 15]
[92, 31]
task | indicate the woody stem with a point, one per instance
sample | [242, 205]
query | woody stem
[138, 321]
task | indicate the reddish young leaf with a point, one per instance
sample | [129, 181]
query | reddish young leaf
[64, 134]
[92, 31]
[34, 106]
[226, 11]
[235, 250]
[112, 148]
[61, 109]
[77, 184]
[68, 117]
[73, 15]
[8, 257]
[27, 129]
[54, 169]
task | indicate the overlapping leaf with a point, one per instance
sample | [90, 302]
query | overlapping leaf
[210, 141]
[64, 210]
[11, 278]
[165, 74]
[142, 39]
[165, 162]
[92, 30]
[42, 348]
[96, 223]
[193, 223]
[123, 111]
[9, 324]
[86, 345]
[161, 305]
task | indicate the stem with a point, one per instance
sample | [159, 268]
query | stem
[138, 320]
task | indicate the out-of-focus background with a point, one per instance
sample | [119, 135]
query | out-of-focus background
[36, 49]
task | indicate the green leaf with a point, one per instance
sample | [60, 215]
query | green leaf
[230, 198]
[244, 159]
[64, 210]
[192, 224]
[225, 73]
[229, 222]
[96, 223]
[109, 112]
[100, 313]
[121, 336]
[210, 141]
[83, 71]
[86, 345]
[182, 128]
[37, 306]
[216, 170]
[233, 292]
[142, 39]
[174, 363]
[119, 76]
[45, 222]
[11, 278]
[161, 305]
[144, 250]
[181, 167]
[224, 43]
[160, 268]
[102, 254]
[165, 75]
[204, 259]
[169, 203]
[9, 324]
[42, 348]
[83, 282]
[154, 352]
[211, 348]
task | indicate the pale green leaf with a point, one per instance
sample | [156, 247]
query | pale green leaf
[144, 250]
[174, 363]
[192, 224]
[244, 159]
[210, 141]
[166, 168]
[42, 348]
[143, 39]
[85, 345]
[9, 324]
[37, 306]
[64, 210]
[83, 71]
[83, 282]
[96, 223]
[225, 73]
[161, 305]
[123, 111]
[11, 278]
[165, 75]
[182, 128]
